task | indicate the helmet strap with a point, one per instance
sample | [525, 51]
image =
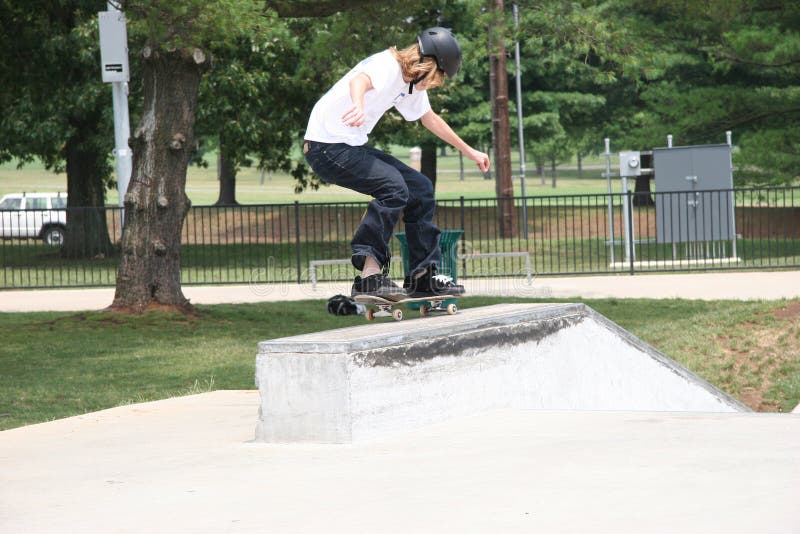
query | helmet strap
[413, 83]
[419, 79]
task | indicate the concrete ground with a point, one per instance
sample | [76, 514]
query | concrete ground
[189, 464]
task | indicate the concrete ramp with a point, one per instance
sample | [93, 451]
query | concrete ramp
[357, 383]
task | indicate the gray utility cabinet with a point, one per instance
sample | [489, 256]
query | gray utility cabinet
[694, 194]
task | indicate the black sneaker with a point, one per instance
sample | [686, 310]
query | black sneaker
[431, 284]
[377, 285]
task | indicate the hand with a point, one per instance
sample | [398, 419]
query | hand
[480, 158]
[354, 116]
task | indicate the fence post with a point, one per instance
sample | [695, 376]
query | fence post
[297, 241]
[463, 233]
[632, 250]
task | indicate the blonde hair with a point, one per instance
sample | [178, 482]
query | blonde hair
[415, 66]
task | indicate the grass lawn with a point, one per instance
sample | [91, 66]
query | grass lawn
[54, 365]
[253, 188]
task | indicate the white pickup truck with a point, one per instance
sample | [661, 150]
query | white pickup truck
[41, 215]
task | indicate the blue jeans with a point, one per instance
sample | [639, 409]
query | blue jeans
[395, 187]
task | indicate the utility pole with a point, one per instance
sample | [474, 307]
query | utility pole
[520, 129]
[115, 70]
[501, 129]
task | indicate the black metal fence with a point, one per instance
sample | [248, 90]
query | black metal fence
[544, 235]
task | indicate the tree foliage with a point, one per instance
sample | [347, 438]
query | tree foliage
[251, 100]
[56, 109]
[719, 65]
[50, 87]
[177, 39]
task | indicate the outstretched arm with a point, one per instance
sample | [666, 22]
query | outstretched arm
[437, 125]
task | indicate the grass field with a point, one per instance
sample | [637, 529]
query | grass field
[54, 365]
[203, 188]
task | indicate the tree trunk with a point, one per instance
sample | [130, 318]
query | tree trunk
[156, 204]
[501, 128]
[553, 173]
[226, 173]
[86, 234]
[580, 166]
[642, 194]
[428, 162]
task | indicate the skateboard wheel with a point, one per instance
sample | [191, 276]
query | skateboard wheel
[452, 309]
[397, 315]
[370, 314]
[424, 310]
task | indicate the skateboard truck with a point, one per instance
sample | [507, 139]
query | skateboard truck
[385, 308]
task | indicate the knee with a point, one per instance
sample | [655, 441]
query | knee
[395, 194]
[423, 194]
[401, 194]
[426, 192]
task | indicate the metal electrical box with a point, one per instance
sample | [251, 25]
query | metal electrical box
[694, 194]
[113, 47]
[630, 164]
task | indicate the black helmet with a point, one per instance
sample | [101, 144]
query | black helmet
[441, 44]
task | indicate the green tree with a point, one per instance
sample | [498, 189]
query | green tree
[251, 101]
[576, 59]
[722, 65]
[56, 109]
[173, 59]
[576, 65]
[178, 38]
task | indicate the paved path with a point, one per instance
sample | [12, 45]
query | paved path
[706, 286]
[188, 465]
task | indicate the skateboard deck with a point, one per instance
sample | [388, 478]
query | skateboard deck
[382, 307]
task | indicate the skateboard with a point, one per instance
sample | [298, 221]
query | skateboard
[382, 307]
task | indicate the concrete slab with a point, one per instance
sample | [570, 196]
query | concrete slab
[355, 383]
[189, 465]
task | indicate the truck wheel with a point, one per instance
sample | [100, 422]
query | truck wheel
[53, 236]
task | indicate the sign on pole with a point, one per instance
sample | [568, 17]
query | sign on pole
[115, 70]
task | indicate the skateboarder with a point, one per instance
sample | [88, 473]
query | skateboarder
[336, 149]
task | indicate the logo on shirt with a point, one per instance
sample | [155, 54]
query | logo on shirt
[399, 98]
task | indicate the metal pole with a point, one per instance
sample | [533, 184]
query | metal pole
[729, 139]
[298, 245]
[626, 214]
[519, 127]
[674, 248]
[122, 131]
[629, 227]
[610, 198]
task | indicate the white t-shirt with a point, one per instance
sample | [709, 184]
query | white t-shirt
[388, 89]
